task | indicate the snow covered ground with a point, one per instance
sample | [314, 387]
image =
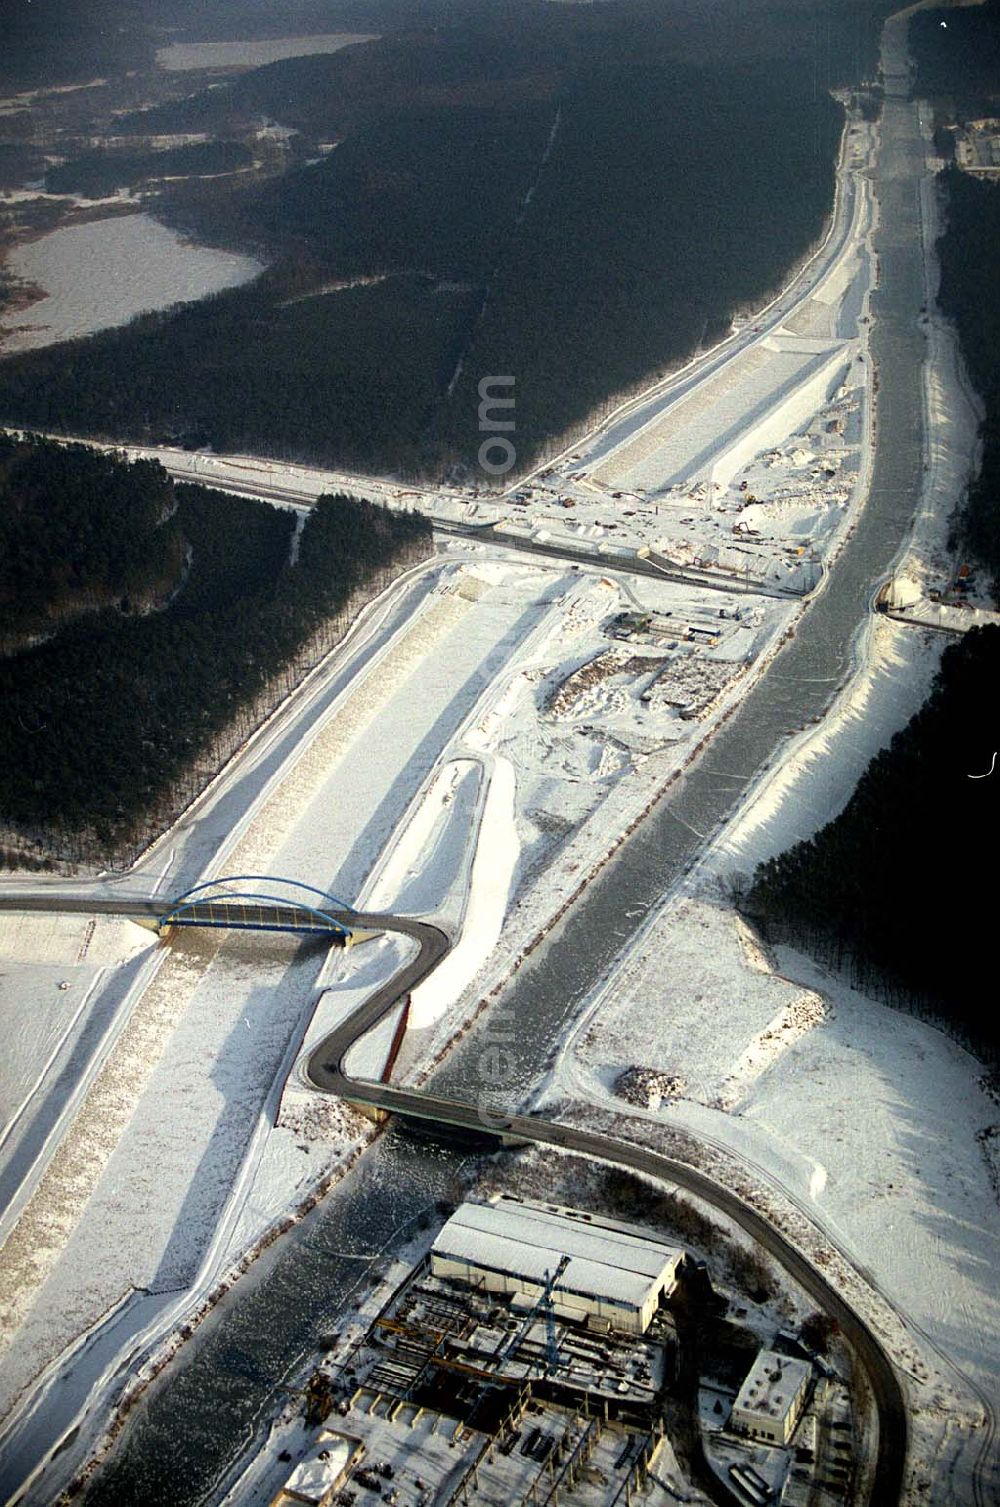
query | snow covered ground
[104, 272]
[224, 1014]
[437, 780]
[183, 57]
[66, 987]
[480, 759]
[431, 740]
[871, 1122]
[480, 823]
[874, 1123]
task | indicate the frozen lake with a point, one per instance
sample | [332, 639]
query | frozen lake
[181, 57]
[102, 273]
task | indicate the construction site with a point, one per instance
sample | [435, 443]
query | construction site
[492, 1375]
[532, 1356]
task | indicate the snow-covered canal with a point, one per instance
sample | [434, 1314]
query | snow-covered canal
[221, 1390]
[105, 272]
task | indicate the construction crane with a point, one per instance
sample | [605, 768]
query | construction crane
[551, 1348]
[545, 1302]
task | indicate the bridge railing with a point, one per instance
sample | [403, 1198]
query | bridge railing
[213, 904]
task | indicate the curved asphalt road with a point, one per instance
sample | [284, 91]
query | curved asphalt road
[325, 1071]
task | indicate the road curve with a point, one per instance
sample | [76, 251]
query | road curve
[324, 1070]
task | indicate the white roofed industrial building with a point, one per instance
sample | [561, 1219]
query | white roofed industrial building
[618, 1273]
[772, 1397]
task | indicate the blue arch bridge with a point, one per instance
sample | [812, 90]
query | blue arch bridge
[262, 902]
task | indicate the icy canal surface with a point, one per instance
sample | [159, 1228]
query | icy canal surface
[102, 273]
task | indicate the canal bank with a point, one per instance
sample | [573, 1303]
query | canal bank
[187, 1432]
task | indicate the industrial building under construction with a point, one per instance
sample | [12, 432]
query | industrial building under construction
[532, 1356]
[610, 1275]
[525, 1360]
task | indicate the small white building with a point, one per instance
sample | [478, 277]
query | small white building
[772, 1397]
[320, 1474]
[618, 1273]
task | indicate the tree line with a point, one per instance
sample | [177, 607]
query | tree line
[112, 726]
[890, 892]
[969, 252]
[957, 53]
[670, 196]
[649, 228]
[96, 173]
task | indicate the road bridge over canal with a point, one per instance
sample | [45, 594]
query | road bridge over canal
[326, 1071]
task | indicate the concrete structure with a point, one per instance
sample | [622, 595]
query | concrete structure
[618, 1274]
[977, 148]
[772, 1397]
[318, 1477]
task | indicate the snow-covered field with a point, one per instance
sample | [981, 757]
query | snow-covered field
[477, 765]
[49, 968]
[65, 984]
[875, 1124]
[106, 271]
[183, 57]
[869, 1121]
[438, 781]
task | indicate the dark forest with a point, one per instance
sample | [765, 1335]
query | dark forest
[579, 200]
[890, 892]
[114, 723]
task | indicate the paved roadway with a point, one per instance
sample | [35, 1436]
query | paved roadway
[632, 565]
[625, 564]
[325, 1070]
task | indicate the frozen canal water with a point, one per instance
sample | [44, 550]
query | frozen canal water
[105, 272]
[188, 1432]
